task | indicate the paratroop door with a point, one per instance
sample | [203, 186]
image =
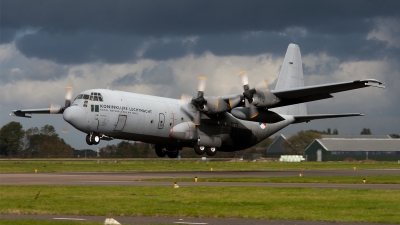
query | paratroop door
[121, 123]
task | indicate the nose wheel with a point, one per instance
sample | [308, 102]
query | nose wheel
[92, 139]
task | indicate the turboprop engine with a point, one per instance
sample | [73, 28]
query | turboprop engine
[185, 131]
[265, 98]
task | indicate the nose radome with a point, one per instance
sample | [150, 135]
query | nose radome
[74, 115]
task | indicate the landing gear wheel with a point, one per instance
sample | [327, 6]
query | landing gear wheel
[159, 151]
[200, 150]
[211, 151]
[95, 139]
[173, 155]
[88, 140]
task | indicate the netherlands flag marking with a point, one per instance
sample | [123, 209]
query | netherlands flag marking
[262, 125]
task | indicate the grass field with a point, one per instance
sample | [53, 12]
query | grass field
[177, 165]
[361, 205]
[370, 179]
[43, 222]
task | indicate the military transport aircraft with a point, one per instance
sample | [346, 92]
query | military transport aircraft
[206, 123]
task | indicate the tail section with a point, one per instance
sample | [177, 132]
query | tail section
[291, 76]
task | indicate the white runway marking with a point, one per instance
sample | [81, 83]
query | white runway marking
[189, 223]
[68, 219]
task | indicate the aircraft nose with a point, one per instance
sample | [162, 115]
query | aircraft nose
[74, 115]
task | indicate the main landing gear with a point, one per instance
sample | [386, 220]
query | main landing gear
[92, 139]
[200, 150]
[162, 151]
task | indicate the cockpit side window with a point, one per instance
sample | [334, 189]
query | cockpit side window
[78, 97]
[85, 97]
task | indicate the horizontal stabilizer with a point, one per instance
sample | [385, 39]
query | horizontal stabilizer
[308, 118]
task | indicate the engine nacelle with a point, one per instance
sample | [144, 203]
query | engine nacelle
[185, 131]
[265, 98]
[215, 105]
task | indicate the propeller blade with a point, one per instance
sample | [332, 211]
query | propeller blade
[185, 98]
[68, 96]
[65, 128]
[234, 101]
[213, 103]
[262, 86]
[54, 108]
[253, 111]
[197, 118]
[243, 77]
[202, 83]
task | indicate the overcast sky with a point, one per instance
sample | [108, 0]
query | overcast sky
[161, 47]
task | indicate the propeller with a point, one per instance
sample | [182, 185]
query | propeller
[56, 109]
[211, 105]
[68, 97]
[248, 94]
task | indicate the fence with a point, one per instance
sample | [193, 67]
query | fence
[354, 157]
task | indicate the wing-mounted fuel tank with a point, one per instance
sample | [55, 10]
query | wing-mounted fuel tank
[264, 115]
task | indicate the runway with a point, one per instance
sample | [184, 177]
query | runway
[180, 220]
[136, 178]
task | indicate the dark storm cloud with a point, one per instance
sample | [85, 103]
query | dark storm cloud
[159, 74]
[38, 71]
[181, 17]
[7, 35]
[79, 47]
[75, 32]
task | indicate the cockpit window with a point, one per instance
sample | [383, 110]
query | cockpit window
[94, 96]
[78, 97]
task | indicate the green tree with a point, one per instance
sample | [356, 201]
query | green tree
[45, 143]
[296, 144]
[48, 130]
[366, 131]
[335, 132]
[11, 136]
[394, 135]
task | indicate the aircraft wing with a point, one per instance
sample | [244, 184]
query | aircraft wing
[318, 92]
[308, 118]
[23, 112]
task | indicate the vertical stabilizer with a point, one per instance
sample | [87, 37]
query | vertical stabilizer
[291, 76]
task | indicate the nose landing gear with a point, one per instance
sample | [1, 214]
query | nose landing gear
[92, 139]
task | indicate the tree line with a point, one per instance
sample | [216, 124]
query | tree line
[32, 143]
[44, 142]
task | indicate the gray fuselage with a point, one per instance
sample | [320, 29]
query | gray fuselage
[145, 118]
